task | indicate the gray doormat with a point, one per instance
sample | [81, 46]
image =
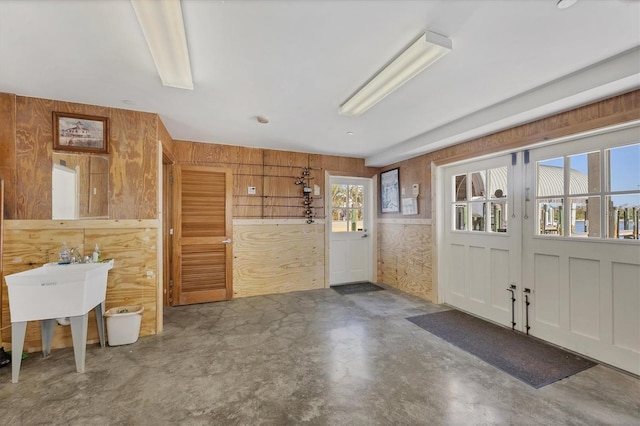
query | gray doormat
[362, 287]
[523, 357]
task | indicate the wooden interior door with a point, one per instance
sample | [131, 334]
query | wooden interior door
[202, 234]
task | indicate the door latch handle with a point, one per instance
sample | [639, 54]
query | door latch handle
[365, 236]
[227, 241]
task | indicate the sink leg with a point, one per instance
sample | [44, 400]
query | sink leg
[99, 310]
[79, 335]
[46, 332]
[18, 330]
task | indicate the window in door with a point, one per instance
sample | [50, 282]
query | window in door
[480, 201]
[347, 208]
[571, 189]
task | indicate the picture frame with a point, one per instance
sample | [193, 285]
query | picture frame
[80, 133]
[390, 190]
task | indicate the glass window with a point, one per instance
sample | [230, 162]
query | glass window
[498, 182]
[551, 177]
[588, 188]
[478, 216]
[347, 208]
[623, 213]
[624, 172]
[460, 217]
[460, 183]
[585, 173]
[551, 216]
[585, 217]
[482, 205]
[478, 185]
[499, 216]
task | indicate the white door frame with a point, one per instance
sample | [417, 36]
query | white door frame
[371, 207]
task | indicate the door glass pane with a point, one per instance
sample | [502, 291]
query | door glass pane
[339, 211]
[624, 174]
[478, 185]
[347, 208]
[550, 216]
[623, 212]
[339, 195]
[460, 217]
[585, 173]
[478, 216]
[585, 217]
[498, 216]
[551, 177]
[356, 202]
[460, 188]
[498, 182]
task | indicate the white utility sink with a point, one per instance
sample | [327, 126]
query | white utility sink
[57, 291]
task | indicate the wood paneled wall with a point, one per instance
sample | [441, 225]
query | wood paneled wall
[131, 233]
[132, 281]
[399, 250]
[8, 152]
[26, 144]
[273, 173]
[277, 257]
[274, 250]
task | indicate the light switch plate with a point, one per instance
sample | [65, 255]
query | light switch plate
[416, 189]
[251, 190]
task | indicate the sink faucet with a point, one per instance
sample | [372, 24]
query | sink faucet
[75, 255]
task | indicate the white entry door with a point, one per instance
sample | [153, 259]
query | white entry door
[581, 248]
[350, 241]
[482, 239]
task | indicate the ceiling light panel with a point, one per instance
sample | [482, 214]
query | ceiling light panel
[423, 52]
[163, 28]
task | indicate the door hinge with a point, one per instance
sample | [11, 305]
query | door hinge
[170, 179]
[170, 283]
[170, 231]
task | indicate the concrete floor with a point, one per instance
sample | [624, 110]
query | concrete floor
[311, 357]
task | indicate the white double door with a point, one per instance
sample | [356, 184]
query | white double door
[578, 291]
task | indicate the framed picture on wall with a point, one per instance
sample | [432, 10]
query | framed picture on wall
[80, 133]
[390, 190]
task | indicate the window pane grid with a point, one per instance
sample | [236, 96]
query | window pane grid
[592, 203]
[480, 201]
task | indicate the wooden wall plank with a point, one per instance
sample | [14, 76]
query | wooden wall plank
[34, 142]
[8, 152]
[277, 258]
[134, 166]
[404, 257]
[273, 173]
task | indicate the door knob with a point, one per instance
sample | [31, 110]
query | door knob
[227, 241]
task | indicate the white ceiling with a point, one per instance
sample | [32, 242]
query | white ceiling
[297, 61]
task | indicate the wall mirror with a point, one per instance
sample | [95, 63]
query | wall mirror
[80, 186]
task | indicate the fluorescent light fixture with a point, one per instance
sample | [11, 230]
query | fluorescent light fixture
[163, 28]
[424, 51]
[564, 4]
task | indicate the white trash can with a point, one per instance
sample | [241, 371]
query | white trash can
[123, 324]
